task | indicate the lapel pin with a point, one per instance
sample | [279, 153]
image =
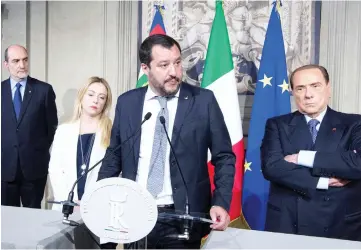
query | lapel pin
[186, 97]
[334, 129]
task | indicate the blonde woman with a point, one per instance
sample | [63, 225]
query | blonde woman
[82, 142]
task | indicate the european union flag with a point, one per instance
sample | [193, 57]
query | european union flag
[272, 98]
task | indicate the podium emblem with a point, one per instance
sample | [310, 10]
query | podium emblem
[117, 219]
[119, 210]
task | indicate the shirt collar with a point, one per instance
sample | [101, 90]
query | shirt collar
[318, 118]
[150, 94]
[22, 82]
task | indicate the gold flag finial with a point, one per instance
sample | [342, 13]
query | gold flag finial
[160, 8]
[278, 6]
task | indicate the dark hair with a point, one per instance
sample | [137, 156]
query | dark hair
[311, 66]
[145, 50]
[6, 55]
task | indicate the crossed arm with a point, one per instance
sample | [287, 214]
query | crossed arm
[309, 170]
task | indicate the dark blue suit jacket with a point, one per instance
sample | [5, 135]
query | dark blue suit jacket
[28, 140]
[198, 125]
[295, 205]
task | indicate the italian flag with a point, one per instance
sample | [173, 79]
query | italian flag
[156, 28]
[219, 77]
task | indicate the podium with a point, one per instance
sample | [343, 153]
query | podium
[233, 238]
[28, 228]
[119, 210]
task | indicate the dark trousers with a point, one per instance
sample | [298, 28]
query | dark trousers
[159, 238]
[22, 191]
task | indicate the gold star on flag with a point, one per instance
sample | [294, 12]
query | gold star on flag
[247, 166]
[284, 86]
[266, 81]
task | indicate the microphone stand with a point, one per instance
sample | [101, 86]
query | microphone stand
[68, 205]
[186, 225]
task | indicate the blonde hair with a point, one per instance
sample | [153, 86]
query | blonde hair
[105, 123]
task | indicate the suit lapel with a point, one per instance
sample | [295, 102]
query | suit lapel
[185, 102]
[28, 93]
[97, 153]
[6, 96]
[69, 144]
[298, 133]
[330, 132]
[135, 119]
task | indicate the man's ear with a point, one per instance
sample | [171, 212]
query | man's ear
[145, 68]
[329, 89]
[6, 64]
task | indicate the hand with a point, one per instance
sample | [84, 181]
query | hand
[334, 182]
[220, 217]
[292, 158]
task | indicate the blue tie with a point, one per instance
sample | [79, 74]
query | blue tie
[312, 124]
[17, 100]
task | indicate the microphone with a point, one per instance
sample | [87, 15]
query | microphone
[68, 205]
[186, 234]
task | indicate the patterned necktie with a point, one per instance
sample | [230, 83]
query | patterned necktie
[17, 100]
[157, 162]
[312, 124]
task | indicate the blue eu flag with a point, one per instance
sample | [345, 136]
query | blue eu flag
[272, 98]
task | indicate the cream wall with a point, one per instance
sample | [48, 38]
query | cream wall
[69, 41]
[340, 52]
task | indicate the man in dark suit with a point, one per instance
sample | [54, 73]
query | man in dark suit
[195, 124]
[28, 124]
[312, 158]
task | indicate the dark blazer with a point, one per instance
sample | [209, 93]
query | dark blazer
[198, 125]
[295, 205]
[27, 140]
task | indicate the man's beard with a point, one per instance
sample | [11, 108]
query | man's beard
[23, 75]
[161, 88]
[173, 92]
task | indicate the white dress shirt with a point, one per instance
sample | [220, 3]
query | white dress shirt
[307, 157]
[151, 104]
